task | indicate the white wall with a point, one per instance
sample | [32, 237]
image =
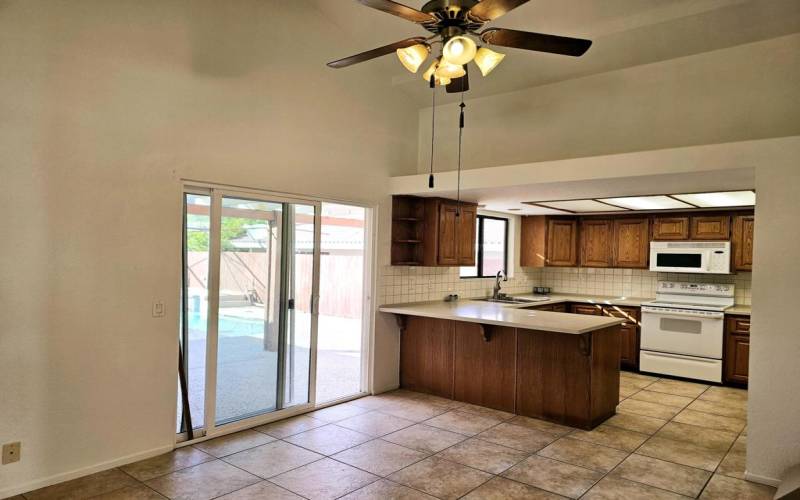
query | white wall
[104, 107]
[734, 94]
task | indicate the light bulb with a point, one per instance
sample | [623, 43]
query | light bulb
[459, 50]
[437, 79]
[487, 60]
[413, 57]
[447, 69]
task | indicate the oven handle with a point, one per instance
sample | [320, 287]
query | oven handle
[682, 314]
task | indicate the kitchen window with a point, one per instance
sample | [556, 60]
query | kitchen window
[491, 248]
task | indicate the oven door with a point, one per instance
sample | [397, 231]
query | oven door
[680, 260]
[694, 333]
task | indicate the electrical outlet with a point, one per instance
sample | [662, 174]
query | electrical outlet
[158, 309]
[11, 452]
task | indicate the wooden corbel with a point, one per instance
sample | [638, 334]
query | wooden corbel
[401, 322]
[585, 344]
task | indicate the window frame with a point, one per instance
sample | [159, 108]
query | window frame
[479, 248]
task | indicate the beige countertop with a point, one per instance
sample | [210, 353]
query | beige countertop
[475, 311]
[741, 309]
[556, 298]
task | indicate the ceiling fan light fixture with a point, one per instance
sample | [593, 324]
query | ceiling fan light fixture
[431, 71]
[459, 50]
[412, 57]
[487, 60]
[446, 69]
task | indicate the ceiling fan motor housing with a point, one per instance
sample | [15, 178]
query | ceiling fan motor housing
[450, 14]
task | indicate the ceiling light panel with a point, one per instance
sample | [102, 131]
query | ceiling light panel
[721, 199]
[647, 202]
[580, 206]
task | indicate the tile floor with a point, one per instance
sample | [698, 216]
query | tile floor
[669, 440]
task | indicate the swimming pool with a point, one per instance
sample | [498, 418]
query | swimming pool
[229, 326]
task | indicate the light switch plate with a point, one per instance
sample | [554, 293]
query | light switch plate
[11, 452]
[158, 309]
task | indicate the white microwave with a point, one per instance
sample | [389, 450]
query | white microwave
[713, 257]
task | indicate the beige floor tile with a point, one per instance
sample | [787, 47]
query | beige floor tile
[621, 398]
[634, 422]
[328, 439]
[375, 423]
[272, 459]
[660, 474]
[338, 412]
[166, 463]
[380, 457]
[662, 398]
[84, 487]
[682, 452]
[647, 409]
[614, 437]
[424, 438]
[290, 426]
[726, 409]
[638, 376]
[486, 412]
[709, 420]
[724, 394]
[541, 425]
[616, 488]
[387, 490]
[261, 491]
[728, 488]
[678, 387]
[584, 453]
[441, 478]
[701, 436]
[636, 380]
[734, 462]
[372, 402]
[518, 437]
[232, 443]
[483, 455]
[554, 476]
[202, 482]
[324, 479]
[417, 411]
[463, 423]
[503, 489]
[140, 492]
[627, 390]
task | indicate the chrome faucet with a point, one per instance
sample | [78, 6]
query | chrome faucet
[496, 292]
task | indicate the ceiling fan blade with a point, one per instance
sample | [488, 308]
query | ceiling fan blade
[488, 10]
[399, 10]
[536, 41]
[372, 54]
[458, 85]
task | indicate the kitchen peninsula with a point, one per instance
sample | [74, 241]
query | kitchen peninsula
[559, 367]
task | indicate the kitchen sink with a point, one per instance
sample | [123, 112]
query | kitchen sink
[513, 300]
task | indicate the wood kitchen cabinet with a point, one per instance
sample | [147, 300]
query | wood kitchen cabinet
[742, 242]
[426, 355]
[593, 309]
[562, 242]
[737, 349]
[710, 227]
[629, 334]
[485, 365]
[670, 228]
[532, 245]
[595, 242]
[632, 242]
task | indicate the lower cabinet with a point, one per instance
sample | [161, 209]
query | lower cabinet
[426, 355]
[737, 349]
[485, 365]
[629, 332]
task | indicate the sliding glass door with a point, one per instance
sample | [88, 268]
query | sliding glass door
[251, 278]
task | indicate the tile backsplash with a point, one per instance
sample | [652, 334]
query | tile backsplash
[401, 284]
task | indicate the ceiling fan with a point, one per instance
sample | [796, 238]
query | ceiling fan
[454, 24]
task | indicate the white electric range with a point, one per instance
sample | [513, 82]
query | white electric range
[682, 330]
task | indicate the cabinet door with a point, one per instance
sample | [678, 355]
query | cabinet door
[562, 242]
[447, 254]
[742, 242]
[560, 308]
[426, 356]
[629, 346]
[465, 235]
[710, 227]
[595, 237]
[485, 365]
[671, 228]
[533, 239]
[737, 355]
[631, 243]
[591, 309]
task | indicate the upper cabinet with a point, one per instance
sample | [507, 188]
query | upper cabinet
[632, 242]
[742, 242]
[595, 242]
[710, 227]
[432, 232]
[562, 242]
[670, 228]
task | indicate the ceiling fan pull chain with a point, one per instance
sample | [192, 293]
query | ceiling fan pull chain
[460, 134]
[433, 126]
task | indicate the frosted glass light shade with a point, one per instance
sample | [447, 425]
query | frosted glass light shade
[459, 50]
[447, 69]
[719, 199]
[413, 57]
[430, 71]
[487, 60]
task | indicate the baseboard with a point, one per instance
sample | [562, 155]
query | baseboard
[85, 471]
[755, 478]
